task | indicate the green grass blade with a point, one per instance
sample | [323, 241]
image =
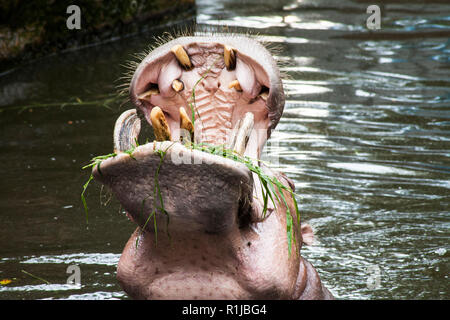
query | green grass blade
[83, 199]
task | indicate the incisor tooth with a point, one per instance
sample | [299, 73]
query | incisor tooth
[182, 56]
[159, 124]
[229, 56]
[147, 94]
[235, 84]
[186, 123]
[177, 85]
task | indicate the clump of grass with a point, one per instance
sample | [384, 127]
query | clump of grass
[157, 195]
[95, 162]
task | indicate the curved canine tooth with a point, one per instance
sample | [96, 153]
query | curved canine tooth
[186, 124]
[182, 56]
[126, 131]
[147, 94]
[244, 133]
[235, 84]
[177, 85]
[229, 56]
[159, 124]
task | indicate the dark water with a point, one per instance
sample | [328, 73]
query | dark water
[365, 136]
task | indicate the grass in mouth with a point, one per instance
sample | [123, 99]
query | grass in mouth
[95, 162]
[156, 195]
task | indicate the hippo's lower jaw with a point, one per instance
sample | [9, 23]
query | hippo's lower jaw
[205, 235]
[210, 245]
[220, 247]
[193, 191]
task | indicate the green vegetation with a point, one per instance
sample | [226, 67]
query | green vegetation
[157, 195]
[31, 29]
[107, 101]
[96, 162]
[36, 277]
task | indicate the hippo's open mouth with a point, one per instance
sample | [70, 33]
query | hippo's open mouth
[225, 239]
[216, 92]
[222, 79]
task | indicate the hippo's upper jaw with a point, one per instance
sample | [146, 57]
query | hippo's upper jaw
[205, 233]
[220, 79]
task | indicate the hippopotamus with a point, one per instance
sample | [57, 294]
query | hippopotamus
[206, 229]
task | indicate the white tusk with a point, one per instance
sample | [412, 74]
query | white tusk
[126, 131]
[243, 134]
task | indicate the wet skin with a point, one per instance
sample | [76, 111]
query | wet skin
[219, 243]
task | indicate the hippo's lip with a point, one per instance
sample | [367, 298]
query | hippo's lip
[198, 191]
[197, 73]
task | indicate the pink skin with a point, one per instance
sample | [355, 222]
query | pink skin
[219, 106]
[220, 246]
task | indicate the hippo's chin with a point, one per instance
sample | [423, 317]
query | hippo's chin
[204, 229]
[216, 244]
[213, 242]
